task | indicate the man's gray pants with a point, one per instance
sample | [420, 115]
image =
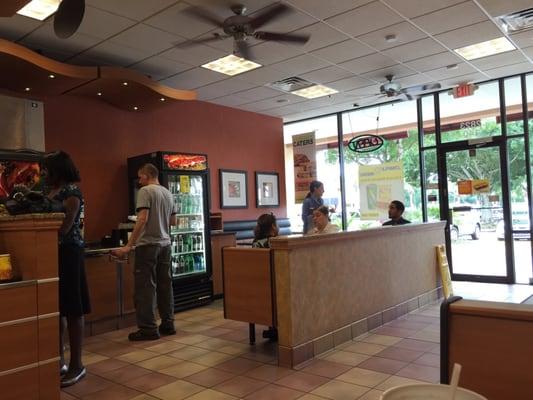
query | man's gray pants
[153, 286]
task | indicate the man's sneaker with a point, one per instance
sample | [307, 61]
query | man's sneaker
[165, 330]
[139, 336]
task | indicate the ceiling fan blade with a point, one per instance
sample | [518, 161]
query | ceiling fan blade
[267, 15]
[243, 50]
[422, 88]
[281, 37]
[204, 15]
[68, 17]
[193, 42]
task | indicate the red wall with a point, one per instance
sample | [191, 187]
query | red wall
[100, 138]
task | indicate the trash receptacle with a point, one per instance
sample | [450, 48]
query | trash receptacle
[428, 392]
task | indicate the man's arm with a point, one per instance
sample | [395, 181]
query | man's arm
[142, 217]
[173, 220]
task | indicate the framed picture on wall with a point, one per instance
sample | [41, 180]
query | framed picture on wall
[267, 189]
[233, 190]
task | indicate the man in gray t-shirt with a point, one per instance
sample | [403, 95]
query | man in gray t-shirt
[153, 277]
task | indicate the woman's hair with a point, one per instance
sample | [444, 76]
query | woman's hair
[324, 210]
[312, 187]
[60, 168]
[263, 229]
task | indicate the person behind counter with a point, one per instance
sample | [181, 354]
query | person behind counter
[396, 209]
[152, 273]
[322, 222]
[312, 201]
[265, 229]
[61, 176]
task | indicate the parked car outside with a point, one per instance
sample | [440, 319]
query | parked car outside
[466, 222]
[520, 217]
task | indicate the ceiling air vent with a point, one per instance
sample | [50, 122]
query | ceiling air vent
[518, 21]
[290, 84]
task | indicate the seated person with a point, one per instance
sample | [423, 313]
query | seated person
[396, 209]
[322, 222]
[265, 229]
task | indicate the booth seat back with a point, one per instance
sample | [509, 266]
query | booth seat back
[244, 230]
[248, 285]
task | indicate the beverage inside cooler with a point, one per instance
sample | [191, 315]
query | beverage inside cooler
[188, 237]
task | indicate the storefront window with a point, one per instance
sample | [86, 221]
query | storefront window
[513, 106]
[327, 168]
[391, 172]
[432, 184]
[428, 121]
[470, 117]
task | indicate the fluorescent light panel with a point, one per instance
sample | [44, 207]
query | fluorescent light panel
[231, 65]
[39, 9]
[484, 49]
[312, 92]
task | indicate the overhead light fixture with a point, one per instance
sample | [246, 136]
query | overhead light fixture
[231, 65]
[162, 99]
[125, 83]
[99, 93]
[312, 92]
[135, 108]
[452, 66]
[390, 38]
[27, 89]
[485, 49]
[51, 76]
[39, 9]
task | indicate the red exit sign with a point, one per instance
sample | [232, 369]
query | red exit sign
[464, 90]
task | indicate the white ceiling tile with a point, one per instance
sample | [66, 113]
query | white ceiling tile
[369, 90]
[414, 50]
[325, 75]
[222, 8]
[404, 32]
[15, 27]
[349, 83]
[323, 9]
[343, 51]
[468, 78]
[230, 101]
[450, 18]
[222, 88]
[499, 7]
[102, 24]
[135, 9]
[300, 64]
[147, 38]
[364, 19]
[444, 73]
[476, 33]
[523, 39]
[287, 22]
[268, 53]
[397, 71]
[529, 52]
[413, 80]
[320, 34]
[109, 53]
[499, 60]
[414, 8]
[258, 93]
[263, 75]
[510, 70]
[434, 61]
[194, 55]
[174, 20]
[368, 63]
[193, 78]
[160, 67]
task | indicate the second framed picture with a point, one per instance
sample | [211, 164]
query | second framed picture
[267, 189]
[233, 190]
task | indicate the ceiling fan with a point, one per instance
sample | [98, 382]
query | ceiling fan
[394, 89]
[241, 27]
[68, 17]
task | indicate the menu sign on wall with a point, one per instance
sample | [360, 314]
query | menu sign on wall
[304, 150]
[378, 186]
[189, 162]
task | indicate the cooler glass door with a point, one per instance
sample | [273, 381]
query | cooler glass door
[188, 236]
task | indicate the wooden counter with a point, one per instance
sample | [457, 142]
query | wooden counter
[218, 241]
[331, 288]
[29, 309]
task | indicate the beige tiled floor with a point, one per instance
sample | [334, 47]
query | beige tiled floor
[210, 358]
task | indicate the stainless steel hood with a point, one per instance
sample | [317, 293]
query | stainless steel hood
[21, 124]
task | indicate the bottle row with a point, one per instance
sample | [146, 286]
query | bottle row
[194, 223]
[193, 187]
[186, 243]
[188, 203]
[188, 263]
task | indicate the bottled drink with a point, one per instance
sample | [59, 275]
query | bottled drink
[180, 243]
[180, 264]
[190, 263]
[200, 242]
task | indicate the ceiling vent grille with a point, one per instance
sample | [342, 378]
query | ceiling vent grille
[518, 21]
[290, 84]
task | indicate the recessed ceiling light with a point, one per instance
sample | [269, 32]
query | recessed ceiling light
[27, 89]
[312, 92]
[231, 65]
[99, 93]
[484, 49]
[135, 108]
[282, 101]
[125, 83]
[390, 38]
[162, 99]
[51, 76]
[39, 9]
[452, 66]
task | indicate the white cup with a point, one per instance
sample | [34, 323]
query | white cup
[428, 392]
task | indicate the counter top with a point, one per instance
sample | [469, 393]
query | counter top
[99, 250]
[22, 217]
[15, 284]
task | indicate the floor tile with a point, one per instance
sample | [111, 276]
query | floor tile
[158, 363]
[210, 394]
[270, 392]
[405, 324]
[209, 377]
[165, 347]
[383, 365]
[394, 381]
[338, 390]
[412, 344]
[302, 381]
[92, 358]
[144, 397]
[383, 340]
[371, 395]
[149, 382]
[65, 396]
[137, 355]
[346, 357]
[397, 353]
[420, 372]
[176, 391]
[363, 377]
[325, 368]
[240, 386]
[429, 359]
[238, 365]
[126, 373]
[182, 369]
[104, 366]
[188, 353]
[392, 331]
[310, 396]
[269, 373]
[427, 336]
[113, 392]
[212, 358]
[364, 348]
[89, 384]
[235, 349]
[191, 339]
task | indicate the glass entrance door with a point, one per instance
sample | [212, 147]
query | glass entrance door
[474, 203]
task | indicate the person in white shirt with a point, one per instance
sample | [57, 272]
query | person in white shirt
[322, 222]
